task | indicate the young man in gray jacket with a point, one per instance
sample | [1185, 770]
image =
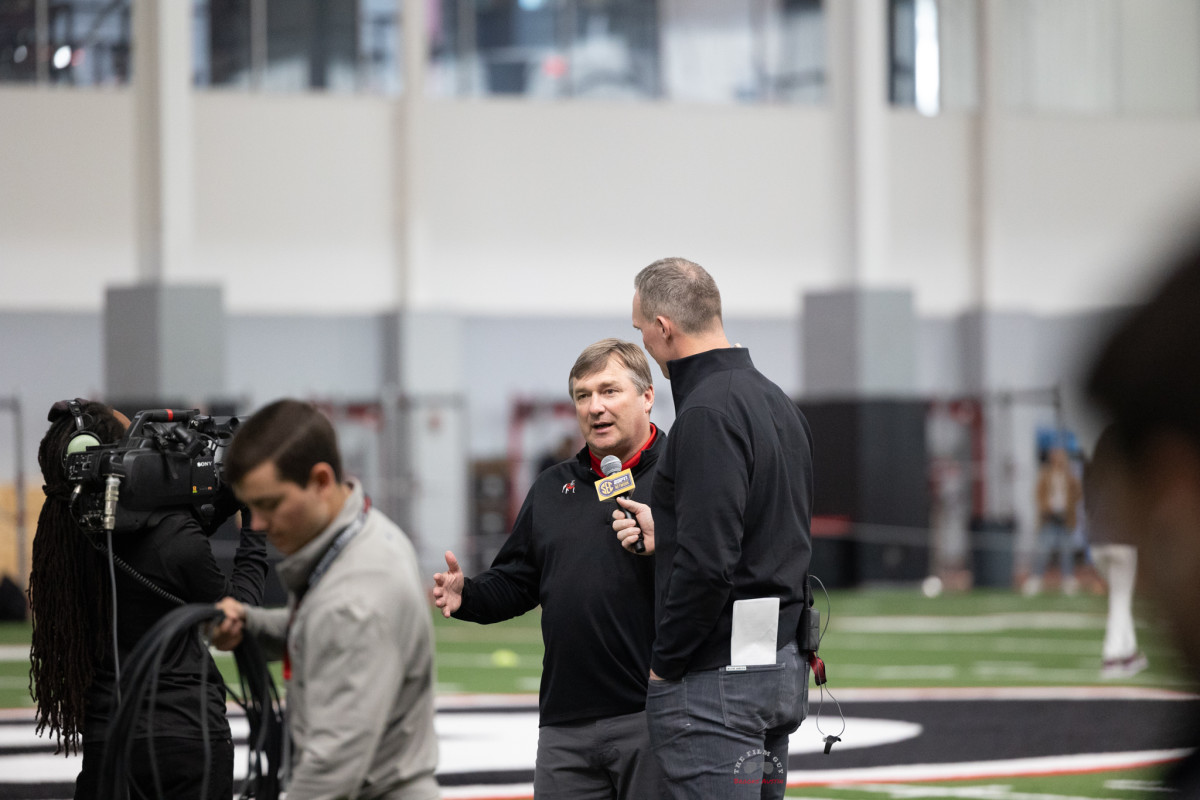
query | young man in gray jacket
[356, 637]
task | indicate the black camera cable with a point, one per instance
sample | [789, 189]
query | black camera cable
[260, 700]
[112, 580]
[133, 573]
[143, 666]
[116, 561]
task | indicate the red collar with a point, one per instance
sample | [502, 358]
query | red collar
[633, 460]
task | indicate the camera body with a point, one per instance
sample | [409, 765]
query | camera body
[167, 459]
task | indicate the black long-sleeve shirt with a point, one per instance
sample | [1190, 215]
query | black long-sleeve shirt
[597, 598]
[732, 509]
[173, 552]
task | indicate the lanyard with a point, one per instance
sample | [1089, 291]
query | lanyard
[339, 544]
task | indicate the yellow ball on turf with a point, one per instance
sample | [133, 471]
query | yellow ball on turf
[505, 658]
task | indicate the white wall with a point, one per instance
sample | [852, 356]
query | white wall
[1101, 56]
[67, 204]
[543, 208]
[295, 202]
[928, 183]
[1082, 207]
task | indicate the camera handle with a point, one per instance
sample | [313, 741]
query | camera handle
[141, 418]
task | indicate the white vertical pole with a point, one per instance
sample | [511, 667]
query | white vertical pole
[858, 92]
[162, 88]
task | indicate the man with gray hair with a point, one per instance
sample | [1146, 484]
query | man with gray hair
[732, 506]
[597, 598]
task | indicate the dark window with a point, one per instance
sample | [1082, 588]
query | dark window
[228, 52]
[296, 45]
[86, 41]
[546, 48]
[18, 41]
[902, 49]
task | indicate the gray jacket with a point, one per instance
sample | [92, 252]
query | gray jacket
[360, 697]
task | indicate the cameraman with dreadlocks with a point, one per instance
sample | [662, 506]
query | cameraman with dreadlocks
[73, 674]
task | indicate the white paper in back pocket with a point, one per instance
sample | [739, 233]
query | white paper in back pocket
[755, 626]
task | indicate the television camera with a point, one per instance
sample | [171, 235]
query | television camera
[167, 459]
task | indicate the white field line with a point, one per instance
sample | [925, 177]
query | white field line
[983, 792]
[466, 633]
[983, 671]
[14, 652]
[1098, 692]
[984, 623]
[488, 661]
[1043, 644]
[889, 780]
[864, 694]
[18, 653]
[982, 770]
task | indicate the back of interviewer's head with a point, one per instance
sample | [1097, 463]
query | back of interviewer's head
[682, 291]
[1146, 376]
[292, 434]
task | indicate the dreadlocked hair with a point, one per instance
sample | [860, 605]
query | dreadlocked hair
[68, 589]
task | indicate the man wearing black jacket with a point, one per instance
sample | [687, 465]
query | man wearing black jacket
[731, 517]
[597, 597]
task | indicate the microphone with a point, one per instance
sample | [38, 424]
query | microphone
[611, 466]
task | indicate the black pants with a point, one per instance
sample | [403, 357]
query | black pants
[180, 765]
[604, 759]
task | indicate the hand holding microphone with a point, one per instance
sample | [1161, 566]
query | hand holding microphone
[616, 483]
[634, 526]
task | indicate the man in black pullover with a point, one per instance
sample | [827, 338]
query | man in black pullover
[597, 598]
[732, 506]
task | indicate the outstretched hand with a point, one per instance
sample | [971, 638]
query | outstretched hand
[448, 586]
[628, 530]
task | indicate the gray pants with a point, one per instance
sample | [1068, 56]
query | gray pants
[602, 759]
[722, 733]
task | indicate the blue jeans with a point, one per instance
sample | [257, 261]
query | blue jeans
[723, 733]
[1055, 537]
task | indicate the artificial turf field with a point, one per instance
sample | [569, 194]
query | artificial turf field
[1003, 690]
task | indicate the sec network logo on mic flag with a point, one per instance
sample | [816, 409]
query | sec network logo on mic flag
[613, 485]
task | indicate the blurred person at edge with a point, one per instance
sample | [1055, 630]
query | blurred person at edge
[1116, 561]
[732, 503]
[597, 598]
[356, 638]
[72, 670]
[1146, 379]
